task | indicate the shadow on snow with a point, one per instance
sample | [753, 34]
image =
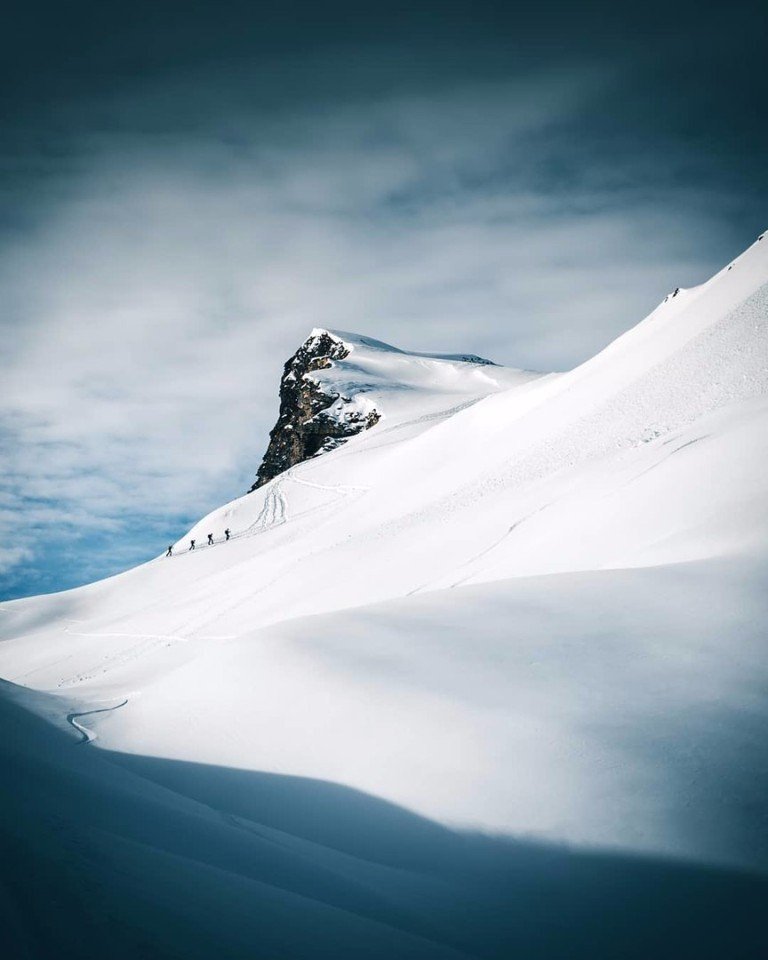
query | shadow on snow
[110, 855]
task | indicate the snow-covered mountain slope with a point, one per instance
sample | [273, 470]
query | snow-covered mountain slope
[648, 453]
[533, 605]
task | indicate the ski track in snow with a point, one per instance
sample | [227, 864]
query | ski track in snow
[275, 509]
[274, 513]
[149, 643]
[482, 553]
[530, 516]
[262, 524]
[661, 460]
[87, 735]
[340, 488]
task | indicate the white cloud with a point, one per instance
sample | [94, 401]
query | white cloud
[11, 557]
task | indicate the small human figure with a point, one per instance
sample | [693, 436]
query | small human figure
[210, 539]
[677, 290]
[191, 544]
[227, 532]
[170, 551]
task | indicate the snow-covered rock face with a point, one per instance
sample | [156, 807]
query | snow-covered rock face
[340, 384]
[314, 418]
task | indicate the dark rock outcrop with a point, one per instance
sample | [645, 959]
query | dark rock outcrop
[306, 425]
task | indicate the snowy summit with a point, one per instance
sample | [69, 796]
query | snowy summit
[338, 384]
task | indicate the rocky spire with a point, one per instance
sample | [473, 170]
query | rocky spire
[313, 417]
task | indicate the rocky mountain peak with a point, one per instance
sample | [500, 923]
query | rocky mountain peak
[314, 417]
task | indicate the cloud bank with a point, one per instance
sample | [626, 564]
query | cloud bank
[177, 238]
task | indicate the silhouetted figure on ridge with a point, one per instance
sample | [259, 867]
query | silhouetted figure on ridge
[191, 544]
[170, 551]
[227, 533]
[210, 539]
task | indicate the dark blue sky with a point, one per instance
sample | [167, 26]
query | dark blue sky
[187, 188]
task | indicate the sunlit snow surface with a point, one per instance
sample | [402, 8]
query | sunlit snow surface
[528, 605]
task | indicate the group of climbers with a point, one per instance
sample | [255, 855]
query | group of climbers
[193, 543]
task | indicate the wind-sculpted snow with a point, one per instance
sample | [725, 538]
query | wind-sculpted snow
[527, 605]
